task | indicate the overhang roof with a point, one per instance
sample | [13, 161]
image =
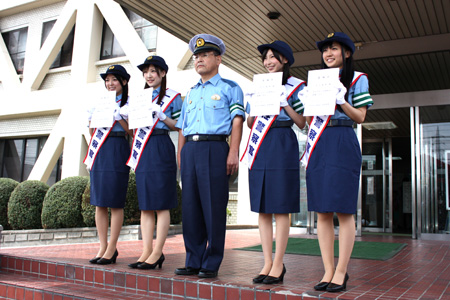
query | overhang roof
[404, 44]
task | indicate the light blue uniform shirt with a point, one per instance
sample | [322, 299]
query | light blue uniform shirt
[117, 126]
[210, 107]
[293, 102]
[173, 111]
[360, 88]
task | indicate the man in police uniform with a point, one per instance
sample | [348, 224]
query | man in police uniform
[212, 109]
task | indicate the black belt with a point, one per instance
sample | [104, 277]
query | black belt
[160, 132]
[340, 123]
[117, 134]
[206, 137]
[276, 124]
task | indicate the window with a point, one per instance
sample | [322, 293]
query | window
[18, 156]
[64, 57]
[16, 42]
[145, 29]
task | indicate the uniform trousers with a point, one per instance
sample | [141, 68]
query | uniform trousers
[205, 198]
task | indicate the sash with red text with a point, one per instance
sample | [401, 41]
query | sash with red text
[142, 135]
[261, 126]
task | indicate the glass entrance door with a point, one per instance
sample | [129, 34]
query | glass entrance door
[376, 183]
[434, 179]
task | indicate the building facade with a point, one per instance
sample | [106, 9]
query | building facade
[53, 51]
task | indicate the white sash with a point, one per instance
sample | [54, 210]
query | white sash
[97, 140]
[318, 124]
[261, 126]
[141, 135]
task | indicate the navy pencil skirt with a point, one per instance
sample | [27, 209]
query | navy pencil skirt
[109, 174]
[332, 176]
[156, 175]
[274, 180]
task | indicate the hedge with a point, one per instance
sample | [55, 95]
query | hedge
[7, 186]
[25, 205]
[62, 204]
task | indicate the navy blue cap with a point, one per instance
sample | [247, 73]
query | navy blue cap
[156, 61]
[337, 37]
[206, 42]
[281, 47]
[116, 70]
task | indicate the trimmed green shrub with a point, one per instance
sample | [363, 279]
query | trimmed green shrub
[25, 205]
[175, 213]
[88, 210]
[7, 186]
[62, 204]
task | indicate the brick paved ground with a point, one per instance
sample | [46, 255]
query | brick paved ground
[420, 271]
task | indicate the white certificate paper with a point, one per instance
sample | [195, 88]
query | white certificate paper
[321, 96]
[103, 115]
[266, 99]
[140, 109]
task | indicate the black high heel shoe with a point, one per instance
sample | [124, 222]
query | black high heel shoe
[107, 261]
[95, 259]
[334, 288]
[146, 266]
[135, 265]
[273, 280]
[321, 286]
[260, 278]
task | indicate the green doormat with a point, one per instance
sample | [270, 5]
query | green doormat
[364, 250]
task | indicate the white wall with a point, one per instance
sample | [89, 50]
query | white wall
[65, 91]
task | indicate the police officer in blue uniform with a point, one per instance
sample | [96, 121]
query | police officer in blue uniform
[212, 110]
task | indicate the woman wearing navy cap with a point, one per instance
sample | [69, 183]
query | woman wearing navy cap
[333, 170]
[156, 170]
[274, 175]
[109, 172]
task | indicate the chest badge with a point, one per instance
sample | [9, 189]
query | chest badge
[215, 97]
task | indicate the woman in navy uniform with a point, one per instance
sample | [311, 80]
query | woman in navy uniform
[333, 171]
[109, 173]
[274, 177]
[157, 169]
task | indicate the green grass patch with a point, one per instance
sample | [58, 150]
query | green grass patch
[362, 250]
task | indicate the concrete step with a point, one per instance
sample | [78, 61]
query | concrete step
[15, 286]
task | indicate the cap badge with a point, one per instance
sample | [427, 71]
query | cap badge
[110, 68]
[215, 97]
[150, 58]
[330, 35]
[200, 42]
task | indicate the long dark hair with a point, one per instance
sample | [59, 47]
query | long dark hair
[286, 67]
[348, 70]
[124, 99]
[162, 90]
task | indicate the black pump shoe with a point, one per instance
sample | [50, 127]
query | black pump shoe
[94, 260]
[273, 280]
[334, 288]
[260, 278]
[135, 265]
[107, 261]
[321, 286]
[146, 266]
